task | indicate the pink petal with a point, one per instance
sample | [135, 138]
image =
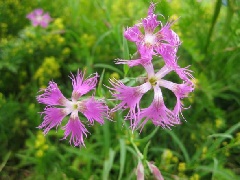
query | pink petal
[150, 23]
[45, 20]
[135, 62]
[133, 34]
[81, 86]
[94, 110]
[155, 171]
[53, 117]
[130, 98]
[38, 12]
[157, 112]
[145, 51]
[76, 130]
[52, 96]
[169, 35]
[31, 16]
[180, 91]
[140, 171]
[168, 54]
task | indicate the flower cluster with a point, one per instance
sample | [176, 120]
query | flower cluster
[58, 107]
[39, 18]
[151, 42]
[153, 39]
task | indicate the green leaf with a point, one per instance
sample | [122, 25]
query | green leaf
[99, 88]
[145, 151]
[214, 20]
[107, 66]
[224, 135]
[180, 144]
[5, 161]
[122, 157]
[148, 137]
[107, 166]
[215, 166]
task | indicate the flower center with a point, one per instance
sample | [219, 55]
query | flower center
[149, 39]
[153, 81]
[75, 106]
[39, 18]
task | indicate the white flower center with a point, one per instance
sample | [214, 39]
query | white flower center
[149, 39]
[39, 18]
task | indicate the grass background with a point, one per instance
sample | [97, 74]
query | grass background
[88, 35]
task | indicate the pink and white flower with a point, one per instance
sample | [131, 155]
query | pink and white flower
[39, 18]
[58, 107]
[164, 42]
[157, 112]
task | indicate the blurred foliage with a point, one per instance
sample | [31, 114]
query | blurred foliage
[88, 35]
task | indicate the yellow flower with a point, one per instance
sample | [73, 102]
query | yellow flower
[175, 159]
[195, 177]
[219, 123]
[45, 147]
[66, 51]
[39, 153]
[167, 156]
[238, 137]
[114, 76]
[89, 40]
[182, 167]
[48, 70]
[204, 150]
[58, 23]
[30, 51]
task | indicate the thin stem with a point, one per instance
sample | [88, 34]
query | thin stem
[136, 148]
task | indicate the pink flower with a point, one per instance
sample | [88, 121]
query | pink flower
[155, 173]
[164, 42]
[38, 17]
[157, 112]
[58, 107]
[130, 98]
[140, 171]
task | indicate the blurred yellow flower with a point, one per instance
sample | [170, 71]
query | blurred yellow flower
[195, 177]
[115, 76]
[181, 166]
[58, 23]
[48, 70]
[39, 153]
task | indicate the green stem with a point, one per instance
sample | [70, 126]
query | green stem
[214, 20]
[136, 148]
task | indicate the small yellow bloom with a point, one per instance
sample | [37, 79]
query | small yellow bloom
[219, 123]
[114, 76]
[39, 153]
[195, 177]
[204, 150]
[175, 159]
[58, 23]
[182, 167]
[66, 51]
[45, 147]
[30, 51]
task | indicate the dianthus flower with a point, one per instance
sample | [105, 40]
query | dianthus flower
[164, 44]
[155, 172]
[58, 107]
[38, 17]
